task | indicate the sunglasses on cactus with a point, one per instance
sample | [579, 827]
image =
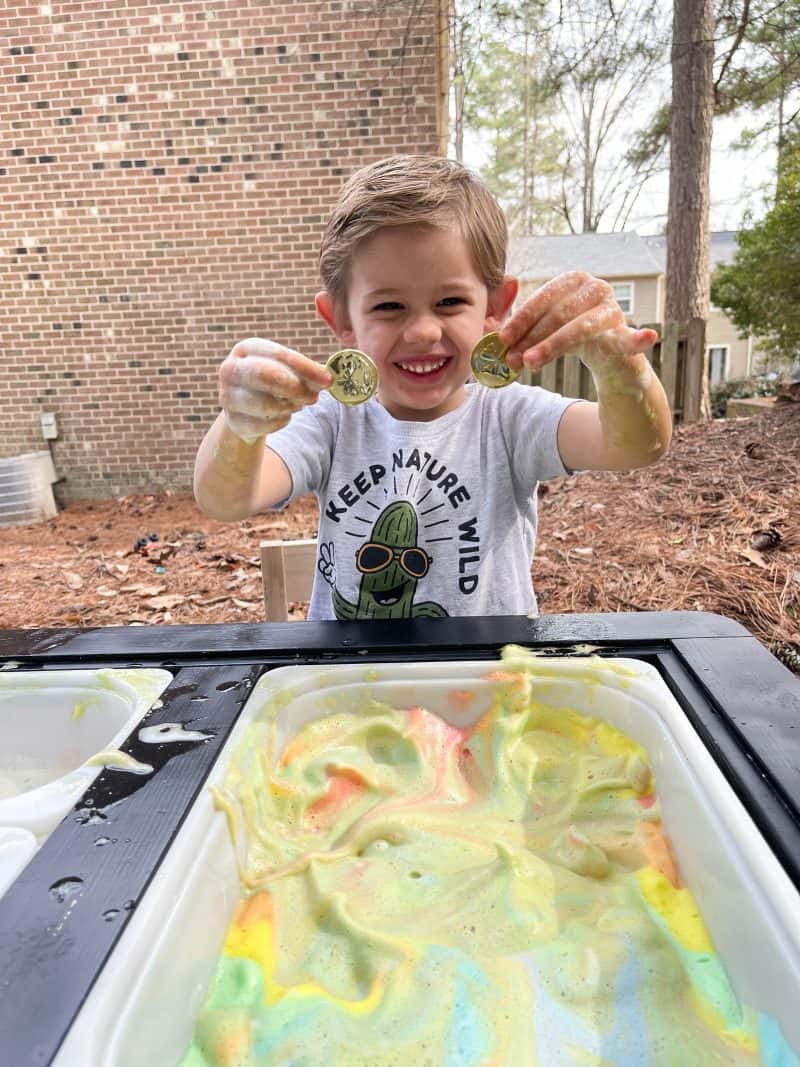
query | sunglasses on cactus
[373, 557]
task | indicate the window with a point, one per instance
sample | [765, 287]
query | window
[717, 364]
[623, 291]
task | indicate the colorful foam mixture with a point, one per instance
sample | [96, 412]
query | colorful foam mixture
[500, 894]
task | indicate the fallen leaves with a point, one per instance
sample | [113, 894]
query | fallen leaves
[754, 557]
[650, 534]
[166, 602]
[679, 536]
[208, 601]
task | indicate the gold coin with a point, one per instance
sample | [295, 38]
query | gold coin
[356, 376]
[488, 362]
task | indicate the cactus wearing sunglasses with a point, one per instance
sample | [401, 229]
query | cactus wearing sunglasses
[391, 563]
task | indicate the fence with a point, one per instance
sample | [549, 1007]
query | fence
[668, 357]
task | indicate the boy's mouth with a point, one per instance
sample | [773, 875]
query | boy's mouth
[423, 368]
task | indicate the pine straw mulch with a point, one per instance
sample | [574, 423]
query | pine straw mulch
[674, 537]
[715, 526]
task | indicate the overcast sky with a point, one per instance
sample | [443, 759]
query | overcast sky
[739, 182]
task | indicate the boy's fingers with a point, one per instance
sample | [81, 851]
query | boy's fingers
[262, 384]
[594, 298]
[641, 340]
[580, 331]
[272, 375]
[260, 405]
[536, 306]
[316, 374]
[612, 342]
[623, 341]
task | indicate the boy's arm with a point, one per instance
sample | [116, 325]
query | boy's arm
[261, 384]
[630, 425]
[235, 478]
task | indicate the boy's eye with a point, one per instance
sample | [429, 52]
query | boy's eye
[387, 305]
[452, 301]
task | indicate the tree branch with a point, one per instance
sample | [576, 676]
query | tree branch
[739, 37]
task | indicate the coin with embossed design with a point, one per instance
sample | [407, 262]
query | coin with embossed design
[356, 376]
[488, 362]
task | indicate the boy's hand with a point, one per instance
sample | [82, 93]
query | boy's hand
[261, 384]
[572, 314]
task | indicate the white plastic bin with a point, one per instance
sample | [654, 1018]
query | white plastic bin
[52, 724]
[142, 1009]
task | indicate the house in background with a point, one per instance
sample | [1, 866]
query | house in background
[636, 268]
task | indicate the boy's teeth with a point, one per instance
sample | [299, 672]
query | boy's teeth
[424, 368]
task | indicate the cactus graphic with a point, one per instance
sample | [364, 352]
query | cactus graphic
[391, 563]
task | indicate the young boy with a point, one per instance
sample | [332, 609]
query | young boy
[428, 490]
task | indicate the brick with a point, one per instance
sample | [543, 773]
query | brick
[125, 284]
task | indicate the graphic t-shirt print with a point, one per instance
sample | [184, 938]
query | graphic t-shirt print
[406, 522]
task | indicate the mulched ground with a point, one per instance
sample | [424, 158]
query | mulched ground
[715, 526]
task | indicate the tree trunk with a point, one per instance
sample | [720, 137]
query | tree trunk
[588, 169]
[688, 281]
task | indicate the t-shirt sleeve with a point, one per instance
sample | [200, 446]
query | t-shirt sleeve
[529, 423]
[306, 445]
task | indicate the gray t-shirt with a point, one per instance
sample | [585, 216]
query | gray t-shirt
[425, 518]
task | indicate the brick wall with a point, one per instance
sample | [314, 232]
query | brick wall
[166, 171]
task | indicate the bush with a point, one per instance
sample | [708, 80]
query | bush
[739, 389]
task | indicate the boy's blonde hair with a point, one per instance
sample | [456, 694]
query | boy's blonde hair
[413, 190]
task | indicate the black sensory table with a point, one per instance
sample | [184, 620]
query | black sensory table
[742, 702]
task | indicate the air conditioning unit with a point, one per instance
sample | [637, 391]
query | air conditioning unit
[26, 488]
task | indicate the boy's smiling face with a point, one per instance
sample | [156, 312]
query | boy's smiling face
[417, 305]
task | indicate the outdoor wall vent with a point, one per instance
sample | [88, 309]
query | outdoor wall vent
[49, 426]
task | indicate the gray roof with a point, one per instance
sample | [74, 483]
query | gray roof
[606, 255]
[722, 247]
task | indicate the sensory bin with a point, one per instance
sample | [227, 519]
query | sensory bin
[59, 729]
[526, 861]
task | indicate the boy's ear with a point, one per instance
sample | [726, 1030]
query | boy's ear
[335, 318]
[500, 300]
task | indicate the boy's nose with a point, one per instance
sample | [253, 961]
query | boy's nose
[423, 329]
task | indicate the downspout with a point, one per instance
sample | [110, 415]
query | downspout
[443, 11]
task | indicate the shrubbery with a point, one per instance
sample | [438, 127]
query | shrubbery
[760, 289]
[739, 389]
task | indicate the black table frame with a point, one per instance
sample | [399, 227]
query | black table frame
[62, 917]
